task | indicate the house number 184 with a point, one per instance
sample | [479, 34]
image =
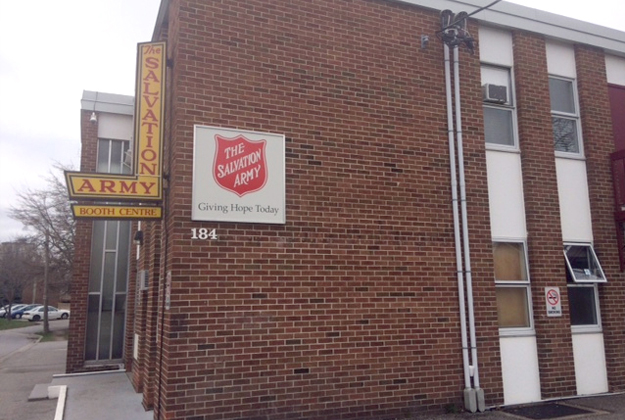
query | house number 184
[203, 234]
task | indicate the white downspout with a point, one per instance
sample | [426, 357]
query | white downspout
[469, 398]
[465, 236]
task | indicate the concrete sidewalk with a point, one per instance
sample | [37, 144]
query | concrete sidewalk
[604, 407]
[102, 395]
[29, 368]
[21, 370]
[110, 395]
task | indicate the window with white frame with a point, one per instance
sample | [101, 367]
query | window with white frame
[583, 274]
[583, 264]
[583, 305]
[499, 109]
[109, 267]
[512, 285]
[565, 115]
[113, 156]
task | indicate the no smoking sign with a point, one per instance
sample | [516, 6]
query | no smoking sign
[554, 303]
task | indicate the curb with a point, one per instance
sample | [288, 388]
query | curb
[62, 396]
[24, 348]
[93, 373]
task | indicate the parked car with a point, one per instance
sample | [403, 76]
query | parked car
[18, 313]
[5, 309]
[36, 314]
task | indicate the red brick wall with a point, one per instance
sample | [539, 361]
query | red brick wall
[131, 295]
[80, 275]
[82, 255]
[33, 293]
[149, 328]
[138, 327]
[598, 144]
[350, 308]
[542, 208]
[146, 368]
[159, 353]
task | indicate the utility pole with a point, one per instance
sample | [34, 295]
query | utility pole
[46, 270]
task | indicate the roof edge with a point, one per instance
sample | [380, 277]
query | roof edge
[161, 19]
[107, 102]
[513, 16]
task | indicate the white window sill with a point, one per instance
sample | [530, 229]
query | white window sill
[502, 148]
[567, 155]
[516, 332]
[586, 329]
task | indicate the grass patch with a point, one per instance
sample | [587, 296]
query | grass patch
[53, 336]
[5, 324]
[47, 337]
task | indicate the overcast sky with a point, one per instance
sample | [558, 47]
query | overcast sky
[50, 51]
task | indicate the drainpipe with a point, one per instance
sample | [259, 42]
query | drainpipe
[479, 393]
[469, 393]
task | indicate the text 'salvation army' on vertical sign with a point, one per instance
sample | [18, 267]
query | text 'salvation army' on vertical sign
[145, 185]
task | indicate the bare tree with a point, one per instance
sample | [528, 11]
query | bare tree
[48, 214]
[565, 135]
[19, 263]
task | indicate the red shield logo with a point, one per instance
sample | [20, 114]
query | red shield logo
[240, 165]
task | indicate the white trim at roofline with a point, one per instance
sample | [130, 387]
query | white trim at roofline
[107, 102]
[514, 16]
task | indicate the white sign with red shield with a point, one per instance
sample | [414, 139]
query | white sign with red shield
[238, 176]
[554, 303]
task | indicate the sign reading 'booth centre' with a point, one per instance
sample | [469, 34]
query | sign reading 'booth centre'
[238, 176]
[142, 191]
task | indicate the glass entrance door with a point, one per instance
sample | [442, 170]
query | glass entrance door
[108, 281]
[108, 275]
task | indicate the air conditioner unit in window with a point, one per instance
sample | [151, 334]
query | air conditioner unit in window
[143, 279]
[495, 93]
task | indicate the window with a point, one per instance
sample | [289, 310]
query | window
[113, 156]
[108, 277]
[583, 274]
[583, 264]
[499, 111]
[583, 305]
[564, 115]
[512, 285]
[107, 289]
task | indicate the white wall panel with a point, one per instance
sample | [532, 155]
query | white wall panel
[561, 60]
[135, 347]
[574, 201]
[615, 69]
[495, 46]
[519, 362]
[505, 193]
[115, 127]
[590, 368]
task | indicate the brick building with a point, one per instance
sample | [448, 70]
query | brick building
[23, 283]
[371, 293]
